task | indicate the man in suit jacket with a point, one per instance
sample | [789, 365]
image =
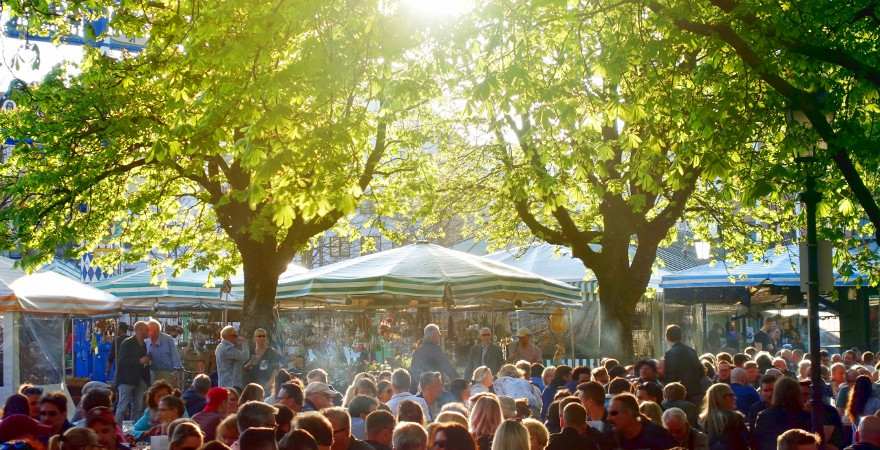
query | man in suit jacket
[682, 365]
[485, 353]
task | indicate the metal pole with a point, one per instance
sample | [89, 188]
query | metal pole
[571, 332]
[811, 198]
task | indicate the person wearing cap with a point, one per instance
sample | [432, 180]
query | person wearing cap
[132, 374]
[524, 349]
[231, 354]
[214, 412]
[22, 426]
[318, 396]
[485, 353]
[430, 357]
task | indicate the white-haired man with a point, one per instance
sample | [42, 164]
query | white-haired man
[429, 357]
[231, 354]
[165, 361]
[675, 420]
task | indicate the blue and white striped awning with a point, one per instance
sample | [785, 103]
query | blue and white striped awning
[778, 267]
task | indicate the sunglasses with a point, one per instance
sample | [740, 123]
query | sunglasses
[49, 413]
[613, 413]
[260, 335]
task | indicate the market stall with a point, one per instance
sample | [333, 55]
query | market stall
[34, 312]
[728, 301]
[191, 305]
[393, 294]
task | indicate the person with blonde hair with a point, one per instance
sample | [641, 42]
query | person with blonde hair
[652, 411]
[724, 425]
[538, 434]
[75, 439]
[511, 435]
[263, 363]
[483, 381]
[485, 419]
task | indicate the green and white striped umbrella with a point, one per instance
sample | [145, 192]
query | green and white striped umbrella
[141, 292]
[426, 274]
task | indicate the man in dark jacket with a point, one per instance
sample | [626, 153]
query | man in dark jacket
[429, 357]
[575, 434]
[485, 353]
[682, 365]
[869, 434]
[132, 374]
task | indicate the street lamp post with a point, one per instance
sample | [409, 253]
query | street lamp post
[811, 198]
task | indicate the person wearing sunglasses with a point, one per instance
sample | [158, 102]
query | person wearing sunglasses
[485, 353]
[53, 412]
[264, 361]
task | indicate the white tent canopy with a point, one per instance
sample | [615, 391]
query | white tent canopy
[50, 293]
[422, 273]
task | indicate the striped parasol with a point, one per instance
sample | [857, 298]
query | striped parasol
[50, 293]
[426, 274]
[188, 291]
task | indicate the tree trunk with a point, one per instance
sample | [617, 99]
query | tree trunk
[618, 311]
[261, 272]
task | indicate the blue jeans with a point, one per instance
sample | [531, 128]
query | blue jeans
[130, 396]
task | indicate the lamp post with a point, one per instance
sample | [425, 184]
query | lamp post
[811, 197]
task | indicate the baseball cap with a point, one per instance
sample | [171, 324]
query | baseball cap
[214, 398]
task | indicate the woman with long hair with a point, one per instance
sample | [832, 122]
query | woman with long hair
[786, 412]
[452, 436]
[724, 425]
[511, 435]
[538, 434]
[150, 418]
[861, 401]
[264, 361]
[485, 419]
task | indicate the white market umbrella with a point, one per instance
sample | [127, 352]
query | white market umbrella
[422, 273]
[50, 293]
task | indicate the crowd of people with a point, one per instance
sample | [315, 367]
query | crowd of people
[751, 400]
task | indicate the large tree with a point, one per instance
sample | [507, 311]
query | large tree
[816, 57]
[240, 132]
[584, 130]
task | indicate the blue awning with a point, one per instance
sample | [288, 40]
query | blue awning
[778, 267]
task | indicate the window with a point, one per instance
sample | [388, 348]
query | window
[339, 247]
